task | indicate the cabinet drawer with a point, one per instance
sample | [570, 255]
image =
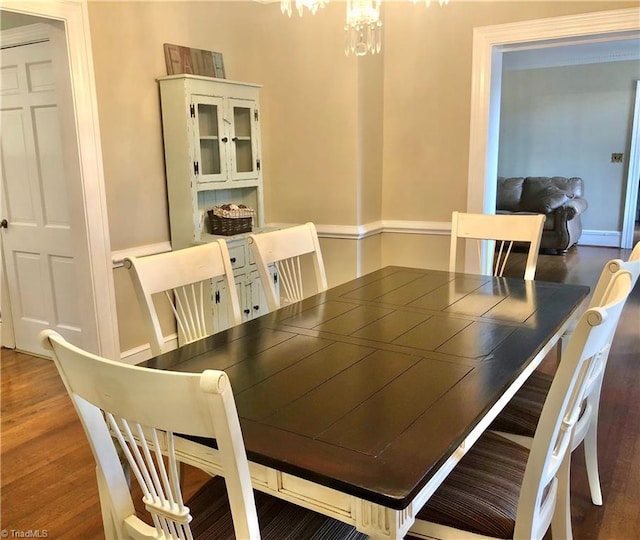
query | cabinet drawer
[237, 254]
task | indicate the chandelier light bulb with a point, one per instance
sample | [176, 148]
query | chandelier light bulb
[363, 30]
[286, 6]
[428, 2]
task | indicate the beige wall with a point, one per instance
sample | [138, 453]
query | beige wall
[566, 121]
[427, 98]
[346, 141]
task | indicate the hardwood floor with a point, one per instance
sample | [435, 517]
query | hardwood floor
[48, 474]
[48, 478]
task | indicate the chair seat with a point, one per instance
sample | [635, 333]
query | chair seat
[522, 413]
[481, 493]
[278, 519]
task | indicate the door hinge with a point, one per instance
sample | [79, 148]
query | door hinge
[255, 114]
[192, 110]
[217, 297]
[258, 164]
[196, 168]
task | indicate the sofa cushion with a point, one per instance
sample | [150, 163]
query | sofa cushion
[541, 194]
[574, 186]
[509, 193]
[546, 201]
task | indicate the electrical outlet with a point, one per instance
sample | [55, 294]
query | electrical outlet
[616, 158]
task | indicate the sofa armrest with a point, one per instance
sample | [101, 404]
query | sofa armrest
[573, 207]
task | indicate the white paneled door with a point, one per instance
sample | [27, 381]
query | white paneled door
[37, 242]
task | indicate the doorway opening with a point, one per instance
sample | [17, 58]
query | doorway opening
[71, 52]
[489, 43]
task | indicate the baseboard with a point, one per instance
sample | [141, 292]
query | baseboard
[600, 238]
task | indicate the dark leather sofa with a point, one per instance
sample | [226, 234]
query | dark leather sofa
[560, 199]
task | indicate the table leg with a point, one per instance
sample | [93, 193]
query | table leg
[380, 522]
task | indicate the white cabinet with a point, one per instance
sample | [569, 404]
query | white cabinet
[249, 287]
[211, 131]
[226, 134]
[212, 151]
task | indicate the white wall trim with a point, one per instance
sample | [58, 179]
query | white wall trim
[348, 232]
[358, 232]
[139, 251]
[417, 227]
[345, 232]
[633, 177]
[341, 232]
[600, 238]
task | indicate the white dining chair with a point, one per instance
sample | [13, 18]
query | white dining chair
[501, 231]
[138, 411]
[519, 418]
[285, 248]
[185, 278]
[500, 489]
[598, 291]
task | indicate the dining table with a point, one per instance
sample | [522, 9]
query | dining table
[357, 402]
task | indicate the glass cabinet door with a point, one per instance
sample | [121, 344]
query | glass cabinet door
[244, 162]
[210, 163]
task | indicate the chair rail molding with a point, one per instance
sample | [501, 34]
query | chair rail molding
[359, 232]
[117, 257]
[489, 43]
[334, 231]
[341, 232]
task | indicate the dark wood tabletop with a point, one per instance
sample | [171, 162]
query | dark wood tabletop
[369, 387]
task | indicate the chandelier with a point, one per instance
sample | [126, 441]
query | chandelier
[363, 29]
[311, 5]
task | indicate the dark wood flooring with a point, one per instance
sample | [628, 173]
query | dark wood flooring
[48, 474]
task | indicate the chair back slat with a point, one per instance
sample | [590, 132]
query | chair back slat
[140, 409]
[290, 275]
[188, 306]
[501, 258]
[160, 489]
[185, 278]
[285, 248]
[499, 232]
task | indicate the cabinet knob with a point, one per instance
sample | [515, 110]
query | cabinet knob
[233, 260]
[4, 224]
[247, 311]
[234, 139]
[225, 139]
[256, 308]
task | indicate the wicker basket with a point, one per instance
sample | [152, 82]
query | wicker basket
[229, 222]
